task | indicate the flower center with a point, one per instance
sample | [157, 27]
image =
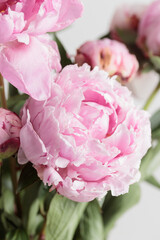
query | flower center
[7, 3]
[105, 58]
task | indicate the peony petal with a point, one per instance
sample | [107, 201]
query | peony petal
[20, 64]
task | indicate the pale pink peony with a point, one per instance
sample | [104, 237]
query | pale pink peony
[127, 17]
[109, 55]
[149, 29]
[26, 56]
[21, 18]
[87, 138]
[10, 126]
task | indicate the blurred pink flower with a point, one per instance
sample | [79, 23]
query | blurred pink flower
[19, 19]
[109, 55]
[149, 29]
[127, 17]
[10, 125]
[87, 138]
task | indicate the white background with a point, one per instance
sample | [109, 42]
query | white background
[142, 222]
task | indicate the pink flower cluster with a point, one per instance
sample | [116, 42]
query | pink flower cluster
[87, 138]
[144, 20]
[26, 56]
[109, 55]
[80, 128]
[10, 126]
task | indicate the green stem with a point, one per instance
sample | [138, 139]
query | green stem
[2, 93]
[151, 97]
[15, 184]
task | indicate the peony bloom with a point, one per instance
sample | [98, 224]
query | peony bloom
[20, 19]
[149, 29]
[87, 138]
[10, 126]
[26, 56]
[109, 55]
[127, 17]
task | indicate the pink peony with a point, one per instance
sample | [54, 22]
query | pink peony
[87, 138]
[26, 56]
[109, 55]
[149, 29]
[10, 125]
[127, 17]
[21, 18]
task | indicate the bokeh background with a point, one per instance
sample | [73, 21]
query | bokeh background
[142, 222]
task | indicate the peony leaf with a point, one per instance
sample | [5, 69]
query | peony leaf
[17, 234]
[156, 134]
[35, 220]
[15, 99]
[30, 194]
[155, 120]
[156, 61]
[127, 36]
[114, 207]
[91, 225]
[10, 221]
[28, 177]
[63, 218]
[65, 60]
[12, 90]
[150, 162]
[2, 228]
[153, 181]
[16, 102]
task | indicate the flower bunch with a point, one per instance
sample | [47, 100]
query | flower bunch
[72, 123]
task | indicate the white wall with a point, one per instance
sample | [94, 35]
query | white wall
[141, 222]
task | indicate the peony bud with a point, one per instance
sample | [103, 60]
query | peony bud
[109, 55]
[10, 126]
[126, 18]
[149, 30]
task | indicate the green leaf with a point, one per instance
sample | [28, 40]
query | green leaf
[155, 120]
[28, 177]
[153, 181]
[65, 60]
[28, 196]
[156, 134]
[8, 201]
[16, 99]
[18, 107]
[127, 36]
[108, 35]
[114, 207]
[63, 218]
[91, 225]
[12, 90]
[150, 162]
[2, 228]
[18, 234]
[34, 220]
[156, 61]
[10, 221]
